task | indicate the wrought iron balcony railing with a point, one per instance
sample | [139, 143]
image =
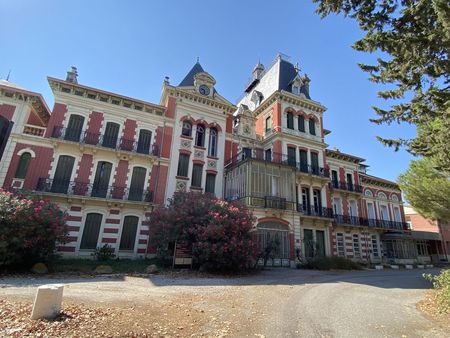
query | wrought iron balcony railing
[75, 188]
[106, 141]
[345, 186]
[313, 210]
[283, 159]
[371, 223]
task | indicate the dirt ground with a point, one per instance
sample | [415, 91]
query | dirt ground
[274, 303]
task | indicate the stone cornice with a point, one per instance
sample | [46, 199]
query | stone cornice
[197, 98]
[344, 157]
[279, 96]
[379, 182]
[104, 97]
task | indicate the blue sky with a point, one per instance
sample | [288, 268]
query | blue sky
[129, 47]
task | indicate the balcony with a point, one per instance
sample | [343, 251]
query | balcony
[273, 202]
[81, 189]
[371, 223]
[283, 159]
[105, 141]
[315, 211]
[349, 187]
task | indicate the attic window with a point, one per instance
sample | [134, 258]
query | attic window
[296, 90]
[137, 107]
[127, 105]
[65, 90]
[148, 110]
[91, 96]
[78, 92]
[9, 94]
[103, 98]
[115, 102]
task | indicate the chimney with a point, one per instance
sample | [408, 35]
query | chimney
[72, 75]
[257, 71]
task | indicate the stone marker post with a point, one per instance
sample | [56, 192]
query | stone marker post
[47, 304]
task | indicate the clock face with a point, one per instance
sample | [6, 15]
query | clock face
[203, 89]
[247, 129]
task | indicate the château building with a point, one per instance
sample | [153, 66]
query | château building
[108, 160]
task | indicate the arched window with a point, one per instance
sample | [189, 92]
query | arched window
[394, 198]
[368, 193]
[382, 196]
[200, 136]
[187, 129]
[290, 120]
[212, 150]
[312, 127]
[22, 168]
[301, 123]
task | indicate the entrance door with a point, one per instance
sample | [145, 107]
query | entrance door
[308, 241]
[101, 181]
[63, 173]
[320, 242]
[137, 184]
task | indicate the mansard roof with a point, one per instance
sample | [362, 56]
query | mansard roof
[189, 78]
[287, 74]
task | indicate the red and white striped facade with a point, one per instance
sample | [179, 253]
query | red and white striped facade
[195, 139]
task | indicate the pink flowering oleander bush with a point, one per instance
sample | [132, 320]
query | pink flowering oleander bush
[217, 232]
[29, 229]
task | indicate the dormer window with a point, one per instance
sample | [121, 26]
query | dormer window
[257, 97]
[187, 129]
[296, 90]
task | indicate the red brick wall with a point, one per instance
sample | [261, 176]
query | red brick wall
[229, 126]
[34, 120]
[95, 123]
[171, 106]
[7, 111]
[277, 150]
[121, 175]
[227, 155]
[39, 166]
[56, 118]
[276, 117]
[165, 150]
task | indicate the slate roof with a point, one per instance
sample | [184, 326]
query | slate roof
[189, 78]
[286, 76]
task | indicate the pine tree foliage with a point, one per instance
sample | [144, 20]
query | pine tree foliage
[415, 36]
[427, 189]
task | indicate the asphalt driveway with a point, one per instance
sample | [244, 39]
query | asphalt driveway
[275, 303]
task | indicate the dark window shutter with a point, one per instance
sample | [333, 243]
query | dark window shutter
[312, 127]
[129, 231]
[111, 135]
[197, 175]
[63, 172]
[91, 231]
[22, 168]
[290, 121]
[183, 165]
[301, 123]
[74, 128]
[210, 183]
[144, 142]
[137, 184]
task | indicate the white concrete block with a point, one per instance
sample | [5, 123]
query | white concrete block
[429, 266]
[395, 267]
[47, 304]
[420, 266]
[378, 267]
[408, 266]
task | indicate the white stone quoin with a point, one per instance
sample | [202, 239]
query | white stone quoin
[47, 304]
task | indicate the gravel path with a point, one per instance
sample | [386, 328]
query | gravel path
[275, 303]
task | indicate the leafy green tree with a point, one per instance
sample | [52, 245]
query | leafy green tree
[427, 189]
[415, 37]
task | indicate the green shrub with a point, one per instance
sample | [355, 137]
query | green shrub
[441, 283]
[106, 252]
[333, 263]
[216, 232]
[30, 229]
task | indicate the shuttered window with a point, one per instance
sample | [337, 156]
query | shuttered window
[301, 123]
[22, 168]
[137, 184]
[144, 142]
[183, 165]
[63, 173]
[210, 183]
[312, 127]
[74, 128]
[290, 121]
[91, 231]
[197, 175]
[128, 238]
[111, 135]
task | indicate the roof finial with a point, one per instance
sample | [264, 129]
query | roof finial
[198, 59]
[7, 77]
